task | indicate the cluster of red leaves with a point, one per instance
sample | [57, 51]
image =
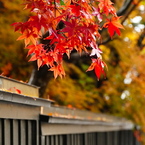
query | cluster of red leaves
[69, 25]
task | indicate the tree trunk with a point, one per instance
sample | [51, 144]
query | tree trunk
[40, 78]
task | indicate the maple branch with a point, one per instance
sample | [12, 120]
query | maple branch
[140, 40]
[2, 5]
[133, 6]
[55, 8]
[124, 8]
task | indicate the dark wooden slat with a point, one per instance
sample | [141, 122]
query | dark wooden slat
[47, 140]
[82, 139]
[15, 140]
[126, 137]
[130, 137]
[7, 138]
[52, 140]
[89, 138]
[78, 139]
[85, 139]
[122, 137]
[95, 139]
[72, 139]
[68, 139]
[115, 138]
[64, 139]
[60, 140]
[34, 132]
[37, 132]
[42, 141]
[1, 130]
[101, 138]
[22, 132]
[109, 138]
[29, 132]
[56, 140]
[92, 138]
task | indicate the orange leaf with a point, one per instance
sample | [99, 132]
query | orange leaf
[33, 58]
[39, 63]
[58, 71]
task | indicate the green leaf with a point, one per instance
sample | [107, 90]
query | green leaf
[62, 2]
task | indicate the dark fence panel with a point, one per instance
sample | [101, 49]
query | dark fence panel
[18, 132]
[124, 137]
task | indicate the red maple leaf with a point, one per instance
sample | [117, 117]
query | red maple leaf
[70, 27]
[38, 53]
[98, 66]
[113, 26]
[75, 9]
[14, 89]
[17, 25]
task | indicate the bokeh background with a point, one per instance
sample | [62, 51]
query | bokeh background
[121, 93]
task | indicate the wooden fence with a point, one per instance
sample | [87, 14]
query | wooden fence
[34, 121]
[28, 120]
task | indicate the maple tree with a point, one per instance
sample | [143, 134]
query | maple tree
[58, 27]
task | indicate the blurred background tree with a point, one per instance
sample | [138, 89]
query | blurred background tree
[13, 60]
[121, 93]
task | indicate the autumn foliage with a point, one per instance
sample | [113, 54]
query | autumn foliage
[58, 27]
